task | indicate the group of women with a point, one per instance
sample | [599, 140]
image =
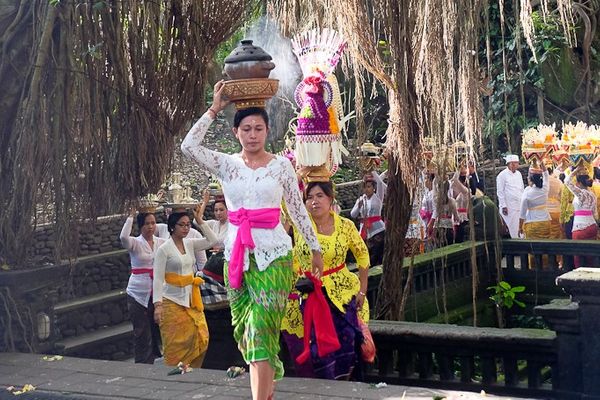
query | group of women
[261, 263]
[578, 207]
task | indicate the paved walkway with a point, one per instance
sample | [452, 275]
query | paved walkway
[76, 378]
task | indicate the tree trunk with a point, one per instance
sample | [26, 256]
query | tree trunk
[391, 286]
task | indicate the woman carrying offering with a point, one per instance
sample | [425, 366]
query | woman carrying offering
[178, 307]
[259, 272]
[368, 209]
[534, 219]
[584, 210]
[345, 291]
[141, 250]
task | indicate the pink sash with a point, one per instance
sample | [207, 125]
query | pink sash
[582, 213]
[265, 218]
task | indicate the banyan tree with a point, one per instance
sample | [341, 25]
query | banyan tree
[92, 95]
[425, 53]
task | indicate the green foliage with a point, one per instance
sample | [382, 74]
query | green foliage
[505, 113]
[505, 295]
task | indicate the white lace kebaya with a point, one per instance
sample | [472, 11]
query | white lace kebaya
[249, 188]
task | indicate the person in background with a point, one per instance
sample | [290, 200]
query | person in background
[476, 183]
[178, 308]
[509, 189]
[368, 210]
[566, 207]
[142, 250]
[427, 206]
[441, 224]
[460, 192]
[534, 220]
[596, 190]
[345, 292]
[213, 289]
[162, 231]
[585, 210]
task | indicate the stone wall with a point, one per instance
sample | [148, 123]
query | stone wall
[102, 235]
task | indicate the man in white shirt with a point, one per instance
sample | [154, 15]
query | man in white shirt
[509, 189]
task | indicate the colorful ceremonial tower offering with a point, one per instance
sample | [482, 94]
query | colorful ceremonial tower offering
[248, 68]
[582, 143]
[538, 144]
[318, 144]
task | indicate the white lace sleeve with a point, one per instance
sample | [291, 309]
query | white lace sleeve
[381, 186]
[217, 163]
[296, 208]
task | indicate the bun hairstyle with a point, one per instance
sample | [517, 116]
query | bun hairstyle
[537, 180]
[174, 219]
[585, 180]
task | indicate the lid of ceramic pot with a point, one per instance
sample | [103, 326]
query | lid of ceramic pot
[246, 51]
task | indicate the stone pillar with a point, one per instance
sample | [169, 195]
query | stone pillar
[577, 327]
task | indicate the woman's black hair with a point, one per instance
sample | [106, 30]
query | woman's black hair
[241, 114]
[174, 219]
[141, 219]
[585, 180]
[596, 172]
[220, 201]
[562, 176]
[537, 180]
[326, 187]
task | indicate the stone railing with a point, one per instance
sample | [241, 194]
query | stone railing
[553, 258]
[508, 361]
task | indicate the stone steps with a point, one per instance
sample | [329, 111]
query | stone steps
[94, 326]
[123, 331]
[83, 302]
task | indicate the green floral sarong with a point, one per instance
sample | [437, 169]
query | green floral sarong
[257, 309]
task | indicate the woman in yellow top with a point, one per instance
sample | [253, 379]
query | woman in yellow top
[345, 291]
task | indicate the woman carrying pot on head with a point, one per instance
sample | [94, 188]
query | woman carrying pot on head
[584, 210]
[142, 250]
[534, 219]
[346, 293]
[368, 209]
[259, 272]
[178, 307]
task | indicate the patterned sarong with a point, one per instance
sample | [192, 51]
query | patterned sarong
[184, 334]
[257, 309]
[537, 230]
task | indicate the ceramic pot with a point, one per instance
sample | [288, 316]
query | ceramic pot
[247, 62]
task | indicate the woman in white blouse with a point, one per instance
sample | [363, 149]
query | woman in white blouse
[368, 209]
[584, 210]
[259, 272]
[141, 250]
[178, 308]
[534, 218]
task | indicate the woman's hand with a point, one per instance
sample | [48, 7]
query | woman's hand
[199, 213]
[317, 264]
[206, 196]
[219, 102]
[360, 300]
[158, 313]
[132, 211]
